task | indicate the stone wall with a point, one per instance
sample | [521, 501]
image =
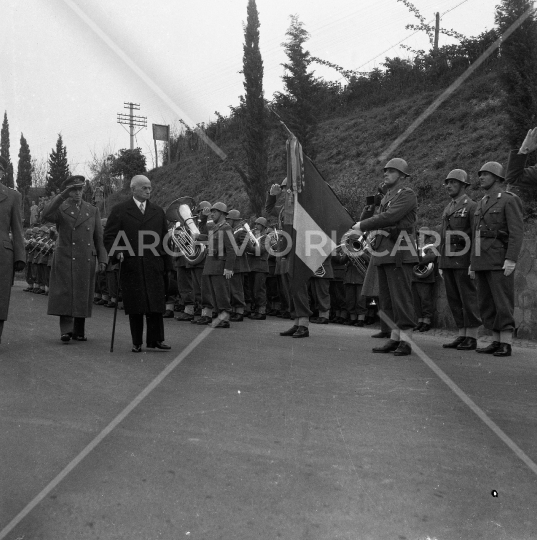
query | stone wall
[525, 293]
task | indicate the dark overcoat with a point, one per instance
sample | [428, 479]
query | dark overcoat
[518, 174]
[78, 247]
[457, 218]
[11, 249]
[143, 270]
[498, 230]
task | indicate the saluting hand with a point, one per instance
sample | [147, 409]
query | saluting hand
[275, 189]
[508, 267]
[228, 274]
[530, 142]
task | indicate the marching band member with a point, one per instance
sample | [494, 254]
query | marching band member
[259, 268]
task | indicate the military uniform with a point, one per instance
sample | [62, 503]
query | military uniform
[259, 269]
[320, 290]
[394, 254]
[454, 261]
[517, 172]
[497, 236]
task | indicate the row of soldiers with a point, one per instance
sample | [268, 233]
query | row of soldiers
[39, 243]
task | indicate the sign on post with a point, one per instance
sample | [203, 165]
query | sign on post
[161, 133]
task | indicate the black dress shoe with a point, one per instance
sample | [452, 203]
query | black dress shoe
[455, 343]
[359, 323]
[404, 349]
[302, 331]
[290, 332]
[184, 317]
[258, 316]
[503, 350]
[319, 320]
[158, 345]
[80, 338]
[490, 349]
[418, 327]
[469, 344]
[136, 348]
[66, 337]
[204, 319]
[425, 327]
[168, 314]
[381, 335]
[236, 317]
[390, 346]
[220, 323]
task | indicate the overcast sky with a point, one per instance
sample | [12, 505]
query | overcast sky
[61, 69]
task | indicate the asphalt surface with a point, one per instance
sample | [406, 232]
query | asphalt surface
[257, 436]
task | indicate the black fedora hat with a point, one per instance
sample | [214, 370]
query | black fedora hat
[74, 182]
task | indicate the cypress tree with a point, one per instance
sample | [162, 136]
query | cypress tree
[518, 73]
[4, 152]
[24, 170]
[255, 116]
[58, 170]
[301, 87]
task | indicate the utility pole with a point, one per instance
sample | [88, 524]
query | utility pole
[131, 120]
[436, 31]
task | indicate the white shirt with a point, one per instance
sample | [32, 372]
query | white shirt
[140, 205]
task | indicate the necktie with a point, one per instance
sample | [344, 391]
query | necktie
[142, 208]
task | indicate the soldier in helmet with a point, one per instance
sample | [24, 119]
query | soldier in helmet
[394, 254]
[454, 260]
[219, 264]
[259, 268]
[497, 240]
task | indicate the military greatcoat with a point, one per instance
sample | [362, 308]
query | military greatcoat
[79, 245]
[11, 249]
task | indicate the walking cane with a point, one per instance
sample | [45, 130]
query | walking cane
[115, 309]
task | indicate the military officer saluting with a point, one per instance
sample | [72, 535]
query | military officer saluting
[395, 254]
[517, 172]
[497, 241]
[454, 260]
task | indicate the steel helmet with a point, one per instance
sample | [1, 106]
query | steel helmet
[35, 230]
[204, 204]
[494, 168]
[220, 206]
[399, 164]
[44, 229]
[233, 214]
[458, 174]
[261, 221]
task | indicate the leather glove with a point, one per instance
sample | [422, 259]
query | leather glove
[508, 267]
[19, 266]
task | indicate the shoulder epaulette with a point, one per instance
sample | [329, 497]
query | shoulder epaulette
[511, 193]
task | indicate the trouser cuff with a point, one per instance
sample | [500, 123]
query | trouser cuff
[303, 321]
[506, 336]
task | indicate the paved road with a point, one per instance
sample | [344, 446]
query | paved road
[256, 436]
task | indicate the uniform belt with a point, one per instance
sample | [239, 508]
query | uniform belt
[493, 234]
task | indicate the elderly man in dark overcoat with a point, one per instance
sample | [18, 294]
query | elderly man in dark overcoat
[79, 247]
[12, 254]
[135, 235]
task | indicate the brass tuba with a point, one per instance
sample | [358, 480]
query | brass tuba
[356, 246]
[185, 232]
[423, 270]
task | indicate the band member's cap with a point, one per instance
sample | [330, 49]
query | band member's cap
[494, 168]
[261, 221]
[398, 164]
[3, 164]
[74, 182]
[458, 174]
[220, 206]
[233, 214]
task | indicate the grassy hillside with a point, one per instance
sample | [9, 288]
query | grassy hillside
[463, 133]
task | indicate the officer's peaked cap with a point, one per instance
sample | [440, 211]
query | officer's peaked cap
[74, 182]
